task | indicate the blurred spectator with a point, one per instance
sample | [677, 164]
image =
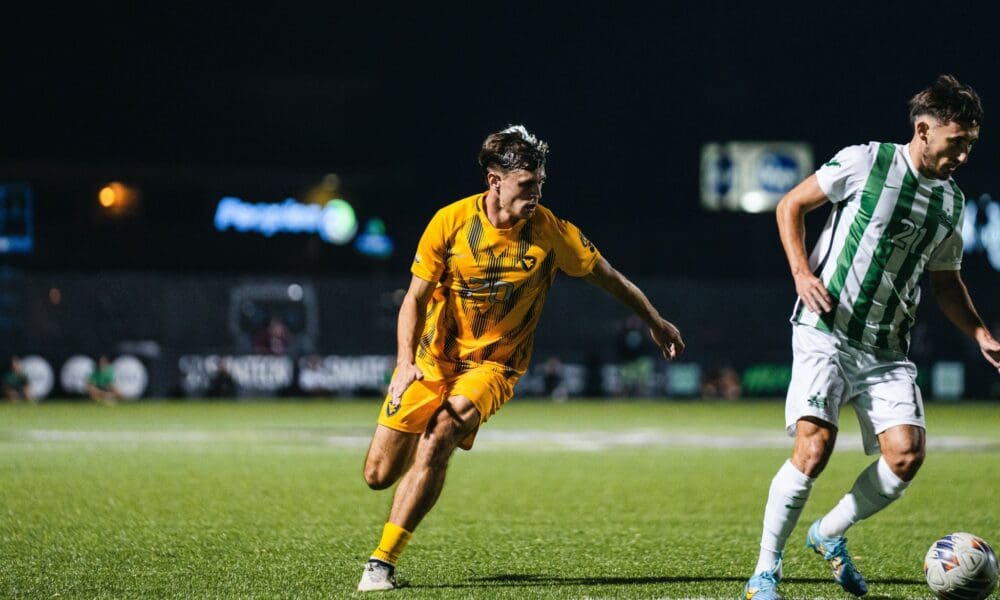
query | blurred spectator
[722, 383]
[730, 387]
[222, 384]
[593, 385]
[312, 379]
[275, 338]
[993, 384]
[552, 376]
[101, 383]
[15, 382]
[636, 365]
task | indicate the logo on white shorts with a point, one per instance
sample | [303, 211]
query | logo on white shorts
[817, 400]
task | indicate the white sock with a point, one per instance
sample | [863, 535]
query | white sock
[788, 494]
[876, 488]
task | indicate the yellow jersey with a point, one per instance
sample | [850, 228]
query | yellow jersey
[491, 285]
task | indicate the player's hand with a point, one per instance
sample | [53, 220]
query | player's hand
[406, 373]
[812, 291]
[991, 350]
[668, 338]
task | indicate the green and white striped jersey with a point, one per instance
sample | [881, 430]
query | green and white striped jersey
[889, 224]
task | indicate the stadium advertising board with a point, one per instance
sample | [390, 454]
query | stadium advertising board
[751, 176]
[334, 221]
[131, 378]
[198, 375]
[250, 373]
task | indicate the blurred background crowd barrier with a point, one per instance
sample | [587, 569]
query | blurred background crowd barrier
[237, 336]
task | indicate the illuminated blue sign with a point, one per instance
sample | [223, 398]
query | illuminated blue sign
[374, 242]
[721, 175]
[778, 173]
[16, 230]
[981, 228]
[335, 221]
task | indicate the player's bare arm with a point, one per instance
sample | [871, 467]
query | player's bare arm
[953, 298]
[663, 332]
[791, 211]
[411, 323]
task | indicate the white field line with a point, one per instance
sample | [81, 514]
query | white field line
[486, 440]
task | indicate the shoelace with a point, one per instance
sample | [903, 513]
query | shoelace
[839, 550]
[768, 577]
[839, 558]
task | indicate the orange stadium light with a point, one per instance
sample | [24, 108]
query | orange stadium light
[107, 196]
[118, 198]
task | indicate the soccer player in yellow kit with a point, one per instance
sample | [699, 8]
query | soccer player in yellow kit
[481, 273]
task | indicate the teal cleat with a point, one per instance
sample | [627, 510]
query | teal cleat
[764, 586]
[834, 550]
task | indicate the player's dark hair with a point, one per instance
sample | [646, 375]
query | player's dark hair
[511, 149]
[948, 100]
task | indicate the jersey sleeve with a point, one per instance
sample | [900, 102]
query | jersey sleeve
[948, 256]
[575, 254]
[844, 175]
[429, 260]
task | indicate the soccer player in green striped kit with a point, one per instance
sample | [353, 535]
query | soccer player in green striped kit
[897, 213]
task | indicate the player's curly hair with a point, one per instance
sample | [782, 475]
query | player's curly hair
[948, 100]
[511, 149]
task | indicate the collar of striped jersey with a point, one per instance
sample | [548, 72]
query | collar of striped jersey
[913, 169]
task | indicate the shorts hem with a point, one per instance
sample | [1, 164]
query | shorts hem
[895, 422]
[874, 447]
[790, 426]
[397, 427]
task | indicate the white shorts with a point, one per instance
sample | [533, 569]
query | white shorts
[827, 373]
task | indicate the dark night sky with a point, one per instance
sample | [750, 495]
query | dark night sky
[398, 100]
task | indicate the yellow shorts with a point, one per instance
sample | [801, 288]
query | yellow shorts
[486, 386]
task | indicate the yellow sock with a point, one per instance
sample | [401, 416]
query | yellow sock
[394, 539]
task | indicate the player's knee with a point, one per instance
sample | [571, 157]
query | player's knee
[811, 456]
[814, 441]
[378, 477]
[905, 463]
[377, 482]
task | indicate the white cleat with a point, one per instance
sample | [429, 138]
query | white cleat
[378, 576]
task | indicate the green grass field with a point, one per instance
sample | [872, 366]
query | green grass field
[571, 500]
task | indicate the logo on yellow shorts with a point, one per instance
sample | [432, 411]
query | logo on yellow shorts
[392, 407]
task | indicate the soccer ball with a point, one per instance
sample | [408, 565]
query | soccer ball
[961, 566]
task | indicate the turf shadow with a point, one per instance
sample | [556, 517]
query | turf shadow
[514, 580]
